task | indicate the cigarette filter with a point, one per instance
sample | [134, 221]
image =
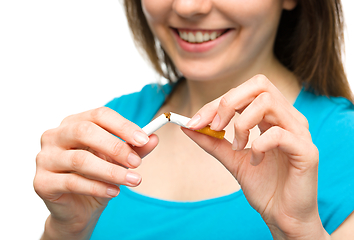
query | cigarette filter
[207, 131]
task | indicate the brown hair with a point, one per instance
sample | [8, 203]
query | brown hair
[309, 42]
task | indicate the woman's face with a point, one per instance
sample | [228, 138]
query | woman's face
[211, 39]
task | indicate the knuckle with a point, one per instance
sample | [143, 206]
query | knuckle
[265, 99]
[99, 113]
[78, 159]
[207, 107]
[117, 148]
[239, 126]
[39, 184]
[224, 101]
[41, 158]
[261, 81]
[67, 119]
[314, 155]
[94, 189]
[47, 136]
[276, 133]
[304, 121]
[82, 129]
[124, 125]
[71, 184]
[112, 173]
[241, 130]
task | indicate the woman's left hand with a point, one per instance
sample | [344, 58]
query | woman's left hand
[278, 174]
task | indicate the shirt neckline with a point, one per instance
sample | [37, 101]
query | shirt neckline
[191, 204]
[180, 204]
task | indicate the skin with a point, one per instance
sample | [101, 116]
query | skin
[76, 176]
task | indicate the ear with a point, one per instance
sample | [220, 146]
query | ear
[289, 4]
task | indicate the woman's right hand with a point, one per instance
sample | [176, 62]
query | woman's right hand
[81, 165]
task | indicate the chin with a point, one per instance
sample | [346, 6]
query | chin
[204, 72]
[200, 75]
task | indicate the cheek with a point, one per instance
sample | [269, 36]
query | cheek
[156, 10]
[248, 13]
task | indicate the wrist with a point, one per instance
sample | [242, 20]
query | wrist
[55, 229]
[300, 231]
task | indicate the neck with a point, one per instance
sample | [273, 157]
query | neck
[195, 94]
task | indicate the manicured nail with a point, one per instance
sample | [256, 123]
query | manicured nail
[133, 178]
[215, 122]
[140, 137]
[113, 192]
[134, 160]
[235, 144]
[194, 121]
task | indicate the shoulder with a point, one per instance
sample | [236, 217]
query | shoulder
[327, 116]
[144, 103]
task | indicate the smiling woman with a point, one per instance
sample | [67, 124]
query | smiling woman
[270, 74]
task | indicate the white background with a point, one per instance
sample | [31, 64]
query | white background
[58, 58]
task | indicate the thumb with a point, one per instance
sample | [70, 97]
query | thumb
[221, 149]
[147, 148]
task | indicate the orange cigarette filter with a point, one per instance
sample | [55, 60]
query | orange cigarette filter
[207, 131]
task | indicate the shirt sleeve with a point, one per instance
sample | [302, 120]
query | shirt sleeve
[140, 107]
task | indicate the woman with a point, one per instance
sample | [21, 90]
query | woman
[273, 62]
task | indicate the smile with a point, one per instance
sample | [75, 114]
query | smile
[199, 36]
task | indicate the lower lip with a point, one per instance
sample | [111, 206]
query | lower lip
[199, 47]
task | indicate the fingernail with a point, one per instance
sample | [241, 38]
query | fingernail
[134, 160]
[215, 122]
[133, 178]
[235, 144]
[194, 121]
[113, 192]
[253, 160]
[140, 137]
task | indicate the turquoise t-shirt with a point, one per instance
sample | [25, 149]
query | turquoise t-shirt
[134, 216]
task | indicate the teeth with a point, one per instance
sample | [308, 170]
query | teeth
[206, 37]
[198, 37]
[191, 37]
[213, 35]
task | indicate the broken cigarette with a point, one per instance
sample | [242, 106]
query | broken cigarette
[181, 121]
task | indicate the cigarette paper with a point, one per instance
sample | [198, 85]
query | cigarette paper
[181, 121]
[155, 124]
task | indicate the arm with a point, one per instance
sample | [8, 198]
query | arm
[278, 174]
[345, 230]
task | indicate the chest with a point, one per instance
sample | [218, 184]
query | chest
[179, 170]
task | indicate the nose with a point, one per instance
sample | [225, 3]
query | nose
[192, 8]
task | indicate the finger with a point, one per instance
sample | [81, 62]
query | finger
[301, 153]
[58, 184]
[204, 116]
[220, 149]
[87, 134]
[146, 149]
[264, 111]
[239, 98]
[87, 164]
[112, 122]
